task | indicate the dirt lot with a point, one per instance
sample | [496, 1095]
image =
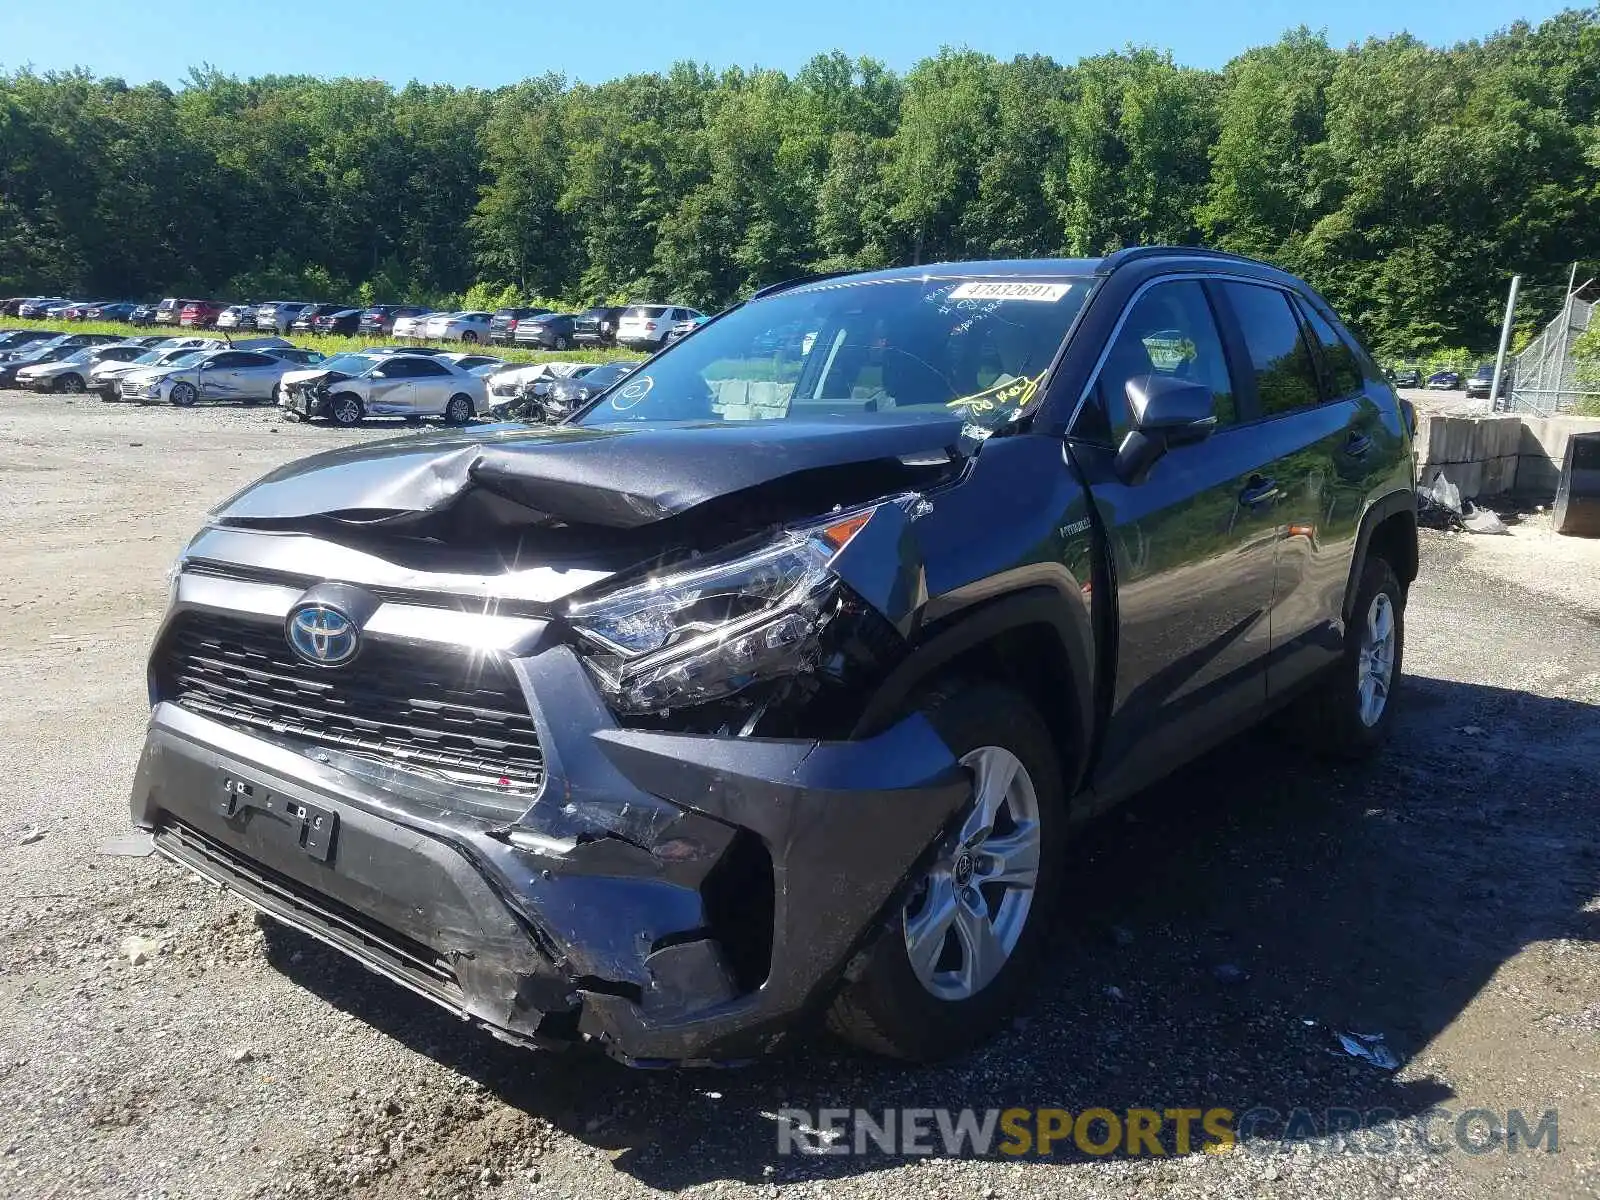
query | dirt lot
[1224, 925]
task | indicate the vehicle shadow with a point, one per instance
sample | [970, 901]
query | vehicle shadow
[1216, 931]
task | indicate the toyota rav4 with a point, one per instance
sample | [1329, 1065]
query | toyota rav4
[770, 682]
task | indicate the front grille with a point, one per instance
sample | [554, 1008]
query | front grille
[443, 713]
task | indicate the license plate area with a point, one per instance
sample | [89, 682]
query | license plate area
[311, 827]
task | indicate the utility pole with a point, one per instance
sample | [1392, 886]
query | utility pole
[1566, 334]
[1505, 341]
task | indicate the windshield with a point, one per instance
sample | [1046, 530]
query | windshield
[153, 356]
[977, 348]
[188, 358]
[349, 364]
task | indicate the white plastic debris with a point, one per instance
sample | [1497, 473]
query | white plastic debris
[1369, 1047]
[1442, 492]
[30, 835]
[1482, 520]
[140, 950]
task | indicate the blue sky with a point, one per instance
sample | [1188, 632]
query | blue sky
[491, 43]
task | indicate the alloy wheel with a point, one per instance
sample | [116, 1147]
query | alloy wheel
[183, 394]
[1375, 666]
[967, 915]
[346, 411]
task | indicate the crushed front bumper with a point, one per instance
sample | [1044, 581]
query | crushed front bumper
[673, 897]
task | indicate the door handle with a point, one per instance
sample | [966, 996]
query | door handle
[1357, 445]
[1258, 490]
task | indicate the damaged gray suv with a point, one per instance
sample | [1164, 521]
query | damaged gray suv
[768, 686]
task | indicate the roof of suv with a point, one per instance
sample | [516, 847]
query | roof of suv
[1030, 267]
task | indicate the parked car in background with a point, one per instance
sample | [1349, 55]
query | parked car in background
[59, 310]
[401, 349]
[305, 319]
[1406, 377]
[504, 323]
[105, 377]
[482, 365]
[13, 340]
[8, 308]
[380, 318]
[229, 375]
[111, 310]
[411, 326]
[647, 326]
[143, 314]
[47, 351]
[276, 316]
[552, 331]
[350, 387]
[684, 328]
[458, 327]
[343, 321]
[1483, 379]
[170, 310]
[32, 310]
[1444, 381]
[71, 374]
[568, 395]
[76, 310]
[200, 314]
[596, 326]
[237, 316]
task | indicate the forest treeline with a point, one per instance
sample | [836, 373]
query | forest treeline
[1406, 181]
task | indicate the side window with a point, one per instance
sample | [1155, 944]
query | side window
[1169, 331]
[1286, 376]
[423, 367]
[230, 362]
[399, 368]
[1339, 364]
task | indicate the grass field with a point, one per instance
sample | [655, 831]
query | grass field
[327, 345]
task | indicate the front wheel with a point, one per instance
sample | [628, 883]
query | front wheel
[71, 383]
[345, 409]
[949, 967]
[561, 342]
[458, 411]
[1349, 711]
[183, 395]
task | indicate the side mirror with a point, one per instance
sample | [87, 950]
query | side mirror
[1167, 412]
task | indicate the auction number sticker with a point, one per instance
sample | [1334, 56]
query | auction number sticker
[1046, 293]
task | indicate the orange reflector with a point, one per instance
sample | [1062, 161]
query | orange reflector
[839, 533]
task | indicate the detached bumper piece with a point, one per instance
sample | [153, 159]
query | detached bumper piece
[673, 898]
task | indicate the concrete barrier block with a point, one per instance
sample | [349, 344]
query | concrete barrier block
[1492, 437]
[1537, 475]
[1499, 475]
[1468, 477]
[1546, 437]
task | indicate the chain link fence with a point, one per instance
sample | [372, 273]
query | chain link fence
[1546, 378]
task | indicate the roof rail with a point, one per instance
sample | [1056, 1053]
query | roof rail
[773, 289]
[1119, 258]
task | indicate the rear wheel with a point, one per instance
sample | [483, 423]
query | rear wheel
[183, 395]
[459, 410]
[345, 409]
[469, 337]
[70, 383]
[1349, 712]
[948, 968]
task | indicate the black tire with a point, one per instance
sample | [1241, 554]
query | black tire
[561, 342]
[1329, 718]
[346, 409]
[459, 410]
[71, 384]
[469, 337]
[183, 395]
[886, 1009]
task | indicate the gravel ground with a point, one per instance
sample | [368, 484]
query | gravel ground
[1223, 925]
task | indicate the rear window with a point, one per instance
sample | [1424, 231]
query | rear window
[647, 311]
[1286, 376]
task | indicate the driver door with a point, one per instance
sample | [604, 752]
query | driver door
[222, 377]
[1193, 547]
[390, 393]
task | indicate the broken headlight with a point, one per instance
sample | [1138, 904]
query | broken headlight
[708, 631]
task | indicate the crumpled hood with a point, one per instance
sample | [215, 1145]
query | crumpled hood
[618, 476]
